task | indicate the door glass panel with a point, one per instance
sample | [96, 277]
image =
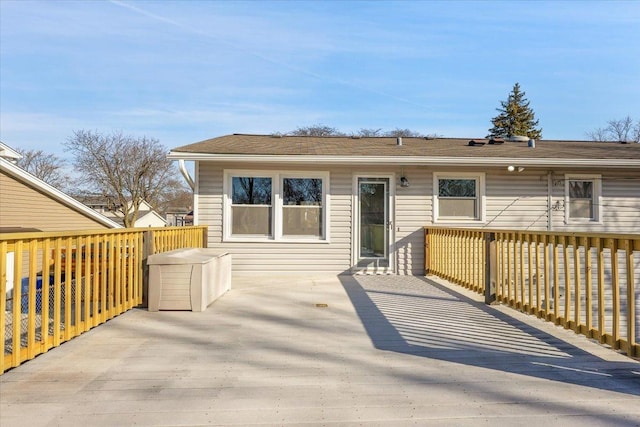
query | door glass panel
[374, 242]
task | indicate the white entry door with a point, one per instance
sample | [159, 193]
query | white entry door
[373, 228]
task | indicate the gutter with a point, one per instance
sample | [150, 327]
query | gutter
[407, 160]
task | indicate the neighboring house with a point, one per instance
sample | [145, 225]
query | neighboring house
[341, 204]
[99, 203]
[30, 204]
[179, 217]
[147, 216]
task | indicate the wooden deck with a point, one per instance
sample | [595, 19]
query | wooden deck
[347, 350]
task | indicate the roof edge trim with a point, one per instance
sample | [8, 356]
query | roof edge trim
[406, 160]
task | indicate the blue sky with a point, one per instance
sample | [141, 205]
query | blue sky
[191, 70]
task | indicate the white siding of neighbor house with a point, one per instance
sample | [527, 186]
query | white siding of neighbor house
[150, 220]
[511, 201]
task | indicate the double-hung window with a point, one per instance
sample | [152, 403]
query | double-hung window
[582, 195]
[281, 206]
[302, 207]
[251, 206]
[458, 197]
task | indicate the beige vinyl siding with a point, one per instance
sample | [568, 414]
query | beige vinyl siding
[22, 206]
[209, 198]
[620, 207]
[267, 256]
[516, 201]
[413, 210]
[26, 207]
[412, 213]
[620, 203]
[511, 200]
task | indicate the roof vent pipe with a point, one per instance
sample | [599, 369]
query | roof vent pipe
[531, 143]
[399, 141]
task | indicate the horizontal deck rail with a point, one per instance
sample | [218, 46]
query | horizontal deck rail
[56, 285]
[586, 282]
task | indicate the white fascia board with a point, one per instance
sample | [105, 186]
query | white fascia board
[409, 160]
[8, 152]
[54, 193]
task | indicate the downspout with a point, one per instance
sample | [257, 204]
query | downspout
[185, 174]
[549, 247]
[549, 201]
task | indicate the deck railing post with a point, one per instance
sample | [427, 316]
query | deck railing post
[205, 238]
[490, 268]
[427, 263]
[147, 250]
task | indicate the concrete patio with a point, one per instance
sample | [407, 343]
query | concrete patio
[346, 350]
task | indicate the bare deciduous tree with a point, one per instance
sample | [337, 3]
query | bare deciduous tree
[323, 130]
[406, 133]
[316, 130]
[365, 133]
[131, 169]
[45, 166]
[176, 197]
[624, 129]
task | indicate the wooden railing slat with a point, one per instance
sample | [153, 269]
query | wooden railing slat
[631, 302]
[615, 294]
[576, 284]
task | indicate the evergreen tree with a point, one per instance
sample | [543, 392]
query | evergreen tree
[515, 118]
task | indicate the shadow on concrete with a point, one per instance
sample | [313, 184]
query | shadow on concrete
[420, 317]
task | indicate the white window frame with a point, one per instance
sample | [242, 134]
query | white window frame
[597, 198]
[277, 205]
[479, 177]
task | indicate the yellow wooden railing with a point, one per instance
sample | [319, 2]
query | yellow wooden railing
[457, 255]
[56, 285]
[586, 282]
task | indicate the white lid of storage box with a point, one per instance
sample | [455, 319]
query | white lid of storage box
[186, 256]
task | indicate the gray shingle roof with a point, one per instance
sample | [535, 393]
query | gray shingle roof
[242, 144]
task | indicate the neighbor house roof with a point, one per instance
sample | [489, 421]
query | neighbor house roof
[143, 213]
[389, 150]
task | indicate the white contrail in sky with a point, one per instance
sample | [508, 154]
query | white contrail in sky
[262, 57]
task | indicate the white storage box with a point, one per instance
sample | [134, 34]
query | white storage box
[188, 279]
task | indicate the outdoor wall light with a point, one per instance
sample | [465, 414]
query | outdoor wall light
[512, 168]
[404, 182]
